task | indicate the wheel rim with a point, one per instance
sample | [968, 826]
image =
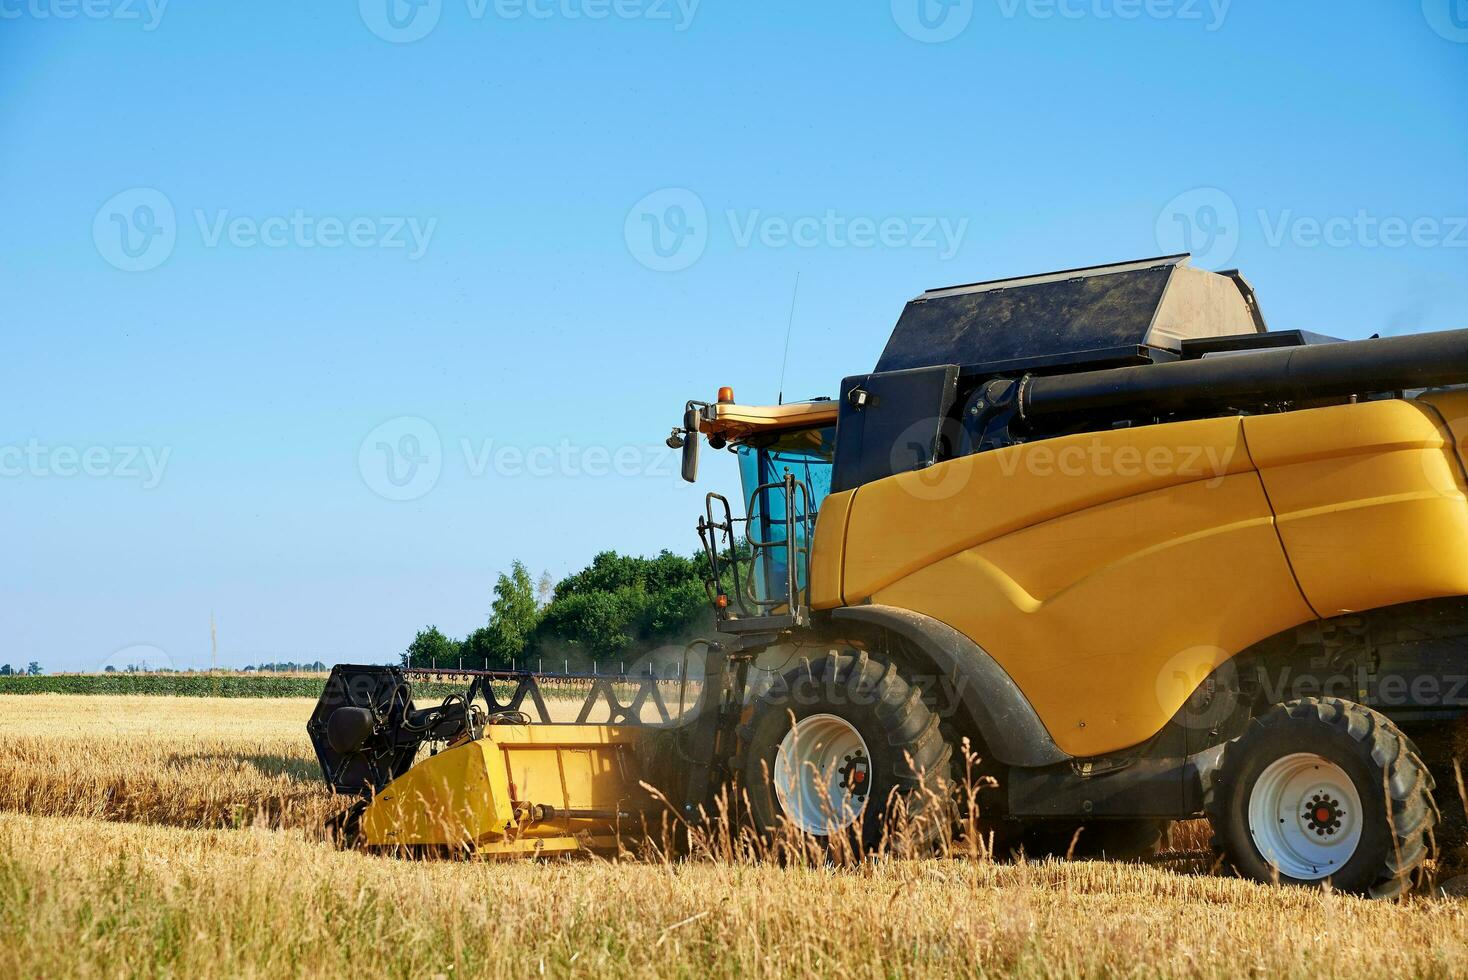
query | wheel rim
[822, 774]
[1305, 816]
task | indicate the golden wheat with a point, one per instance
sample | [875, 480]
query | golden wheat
[186, 762]
[88, 897]
[80, 897]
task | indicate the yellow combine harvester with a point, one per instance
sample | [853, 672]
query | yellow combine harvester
[1148, 559]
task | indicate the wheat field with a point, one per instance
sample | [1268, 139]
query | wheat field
[176, 836]
[184, 762]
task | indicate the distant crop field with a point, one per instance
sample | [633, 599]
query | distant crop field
[159, 835]
[241, 685]
[216, 685]
[175, 685]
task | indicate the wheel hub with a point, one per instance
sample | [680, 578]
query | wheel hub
[855, 774]
[1304, 816]
[822, 774]
[1323, 814]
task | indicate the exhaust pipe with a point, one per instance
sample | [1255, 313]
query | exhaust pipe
[1286, 374]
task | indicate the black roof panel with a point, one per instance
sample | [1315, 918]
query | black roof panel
[1035, 317]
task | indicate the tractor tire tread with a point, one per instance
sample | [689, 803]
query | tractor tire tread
[922, 765]
[1406, 783]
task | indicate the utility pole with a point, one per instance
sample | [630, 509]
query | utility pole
[213, 644]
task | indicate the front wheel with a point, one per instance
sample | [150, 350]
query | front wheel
[1324, 790]
[845, 749]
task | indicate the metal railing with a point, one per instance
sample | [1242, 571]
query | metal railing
[717, 529]
[547, 699]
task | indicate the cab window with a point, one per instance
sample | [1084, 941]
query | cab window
[807, 455]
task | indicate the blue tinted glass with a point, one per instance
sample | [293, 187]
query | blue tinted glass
[807, 456]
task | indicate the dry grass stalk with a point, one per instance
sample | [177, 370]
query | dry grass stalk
[81, 896]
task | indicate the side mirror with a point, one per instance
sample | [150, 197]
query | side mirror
[691, 420]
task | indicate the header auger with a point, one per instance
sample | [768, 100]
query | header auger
[1147, 558]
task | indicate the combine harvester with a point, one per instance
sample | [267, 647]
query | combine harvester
[1148, 559]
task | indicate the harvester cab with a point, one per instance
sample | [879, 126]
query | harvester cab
[1140, 556]
[760, 561]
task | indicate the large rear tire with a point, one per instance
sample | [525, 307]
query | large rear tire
[1324, 790]
[838, 748]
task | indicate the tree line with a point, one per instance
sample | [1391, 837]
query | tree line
[286, 667]
[613, 609]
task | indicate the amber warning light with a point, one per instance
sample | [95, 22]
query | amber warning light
[726, 395]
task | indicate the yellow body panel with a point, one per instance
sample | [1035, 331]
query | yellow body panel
[1452, 408]
[1109, 572]
[906, 522]
[571, 767]
[1370, 502]
[1107, 618]
[446, 799]
[476, 794]
[828, 551]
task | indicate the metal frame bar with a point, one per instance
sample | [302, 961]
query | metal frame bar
[798, 519]
[528, 685]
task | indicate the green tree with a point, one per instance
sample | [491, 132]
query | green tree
[514, 613]
[429, 647]
[621, 605]
[480, 649]
[6, 670]
[593, 625]
[513, 617]
[34, 670]
[615, 608]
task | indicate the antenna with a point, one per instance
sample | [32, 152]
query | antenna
[789, 327]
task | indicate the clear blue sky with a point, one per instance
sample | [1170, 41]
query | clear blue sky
[195, 362]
